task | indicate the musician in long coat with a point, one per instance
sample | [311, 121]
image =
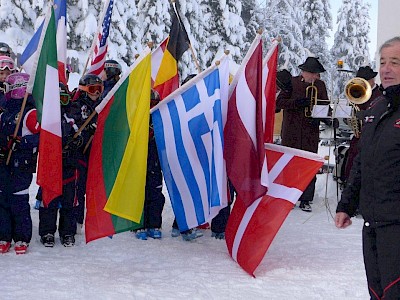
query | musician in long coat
[298, 130]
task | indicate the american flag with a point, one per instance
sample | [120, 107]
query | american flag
[100, 50]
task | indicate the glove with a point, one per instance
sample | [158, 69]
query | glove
[91, 128]
[13, 142]
[302, 102]
[74, 143]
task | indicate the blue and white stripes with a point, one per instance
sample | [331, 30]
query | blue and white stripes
[189, 133]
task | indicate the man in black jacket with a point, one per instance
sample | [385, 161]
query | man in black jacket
[375, 178]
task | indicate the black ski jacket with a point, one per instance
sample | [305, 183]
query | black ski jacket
[374, 182]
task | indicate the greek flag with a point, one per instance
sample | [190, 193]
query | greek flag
[188, 127]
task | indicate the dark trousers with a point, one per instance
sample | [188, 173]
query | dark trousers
[308, 194]
[381, 248]
[154, 199]
[80, 193]
[15, 214]
[48, 216]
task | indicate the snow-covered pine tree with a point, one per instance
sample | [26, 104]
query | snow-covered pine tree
[252, 17]
[83, 18]
[125, 32]
[19, 19]
[225, 28]
[317, 24]
[284, 19]
[154, 19]
[351, 40]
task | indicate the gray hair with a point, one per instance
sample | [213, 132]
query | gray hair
[390, 42]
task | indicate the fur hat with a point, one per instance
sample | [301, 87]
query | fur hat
[312, 65]
[366, 73]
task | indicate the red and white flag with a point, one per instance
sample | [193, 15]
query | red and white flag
[250, 230]
[270, 64]
[244, 129]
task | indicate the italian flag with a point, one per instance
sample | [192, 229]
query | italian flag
[44, 87]
[115, 188]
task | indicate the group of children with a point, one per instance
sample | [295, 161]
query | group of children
[19, 143]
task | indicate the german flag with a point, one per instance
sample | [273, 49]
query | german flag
[167, 79]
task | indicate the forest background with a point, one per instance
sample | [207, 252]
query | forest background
[305, 26]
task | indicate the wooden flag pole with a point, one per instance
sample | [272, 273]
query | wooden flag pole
[19, 118]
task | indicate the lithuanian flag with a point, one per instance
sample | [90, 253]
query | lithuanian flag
[118, 159]
[167, 79]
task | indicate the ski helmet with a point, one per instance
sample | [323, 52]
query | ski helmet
[112, 68]
[91, 84]
[16, 85]
[5, 49]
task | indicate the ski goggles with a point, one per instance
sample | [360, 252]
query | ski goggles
[64, 98]
[7, 64]
[93, 89]
[8, 87]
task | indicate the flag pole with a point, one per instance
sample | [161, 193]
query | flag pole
[17, 125]
[31, 81]
[99, 28]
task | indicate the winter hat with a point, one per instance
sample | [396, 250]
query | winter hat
[312, 65]
[366, 73]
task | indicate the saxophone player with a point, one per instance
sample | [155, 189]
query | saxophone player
[298, 130]
[369, 75]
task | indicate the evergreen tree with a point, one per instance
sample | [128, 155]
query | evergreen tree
[225, 28]
[19, 19]
[351, 39]
[83, 17]
[317, 23]
[154, 19]
[252, 18]
[284, 19]
[125, 34]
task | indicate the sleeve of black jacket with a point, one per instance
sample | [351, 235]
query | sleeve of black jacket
[350, 195]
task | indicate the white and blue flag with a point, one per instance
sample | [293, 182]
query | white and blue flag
[188, 127]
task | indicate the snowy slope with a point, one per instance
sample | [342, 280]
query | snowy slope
[309, 259]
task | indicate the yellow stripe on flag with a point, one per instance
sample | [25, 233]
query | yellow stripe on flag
[126, 199]
[168, 68]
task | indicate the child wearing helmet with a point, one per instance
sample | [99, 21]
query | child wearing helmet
[77, 150]
[110, 75]
[7, 67]
[16, 173]
[63, 204]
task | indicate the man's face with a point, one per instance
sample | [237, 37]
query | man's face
[309, 77]
[389, 69]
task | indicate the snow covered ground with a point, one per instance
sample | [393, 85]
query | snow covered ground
[309, 259]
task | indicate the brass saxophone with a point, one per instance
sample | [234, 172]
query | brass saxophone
[357, 91]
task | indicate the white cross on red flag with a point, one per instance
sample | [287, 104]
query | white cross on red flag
[250, 230]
